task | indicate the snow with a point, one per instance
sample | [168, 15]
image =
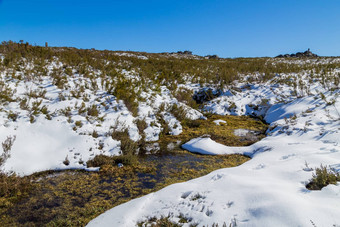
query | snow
[45, 145]
[218, 122]
[207, 146]
[268, 190]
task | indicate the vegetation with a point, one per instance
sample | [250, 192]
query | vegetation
[161, 69]
[93, 82]
[12, 187]
[73, 198]
[322, 177]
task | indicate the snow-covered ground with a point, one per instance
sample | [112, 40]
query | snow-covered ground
[64, 131]
[53, 124]
[268, 190]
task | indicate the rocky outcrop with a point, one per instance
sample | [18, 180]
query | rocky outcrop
[306, 54]
[211, 56]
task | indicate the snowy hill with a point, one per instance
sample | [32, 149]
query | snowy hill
[65, 106]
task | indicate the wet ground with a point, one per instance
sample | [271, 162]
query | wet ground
[74, 197]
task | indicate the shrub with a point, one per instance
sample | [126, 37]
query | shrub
[141, 125]
[6, 147]
[185, 96]
[95, 134]
[103, 160]
[12, 116]
[10, 184]
[78, 124]
[66, 161]
[165, 126]
[93, 111]
[125, 90]
[179, 112]
[322, 177]
[100, 160]
[127, 145]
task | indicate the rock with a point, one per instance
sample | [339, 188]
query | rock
[211, 56]
[306, 54]
[205, 95]
[186, 52]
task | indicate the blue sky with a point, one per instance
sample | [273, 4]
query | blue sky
[235, 28]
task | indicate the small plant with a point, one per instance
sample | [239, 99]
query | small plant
[322, 177]
[32, 119]
[141, 125]
[95, 134]
[66, 162]
[6, 147]
[185, 96]
[179, 112]
[11, 186]
[93, 111]
[100, 160]
[12, 116]
[78, 124]
[196, 197]
[158, 222]
[103, 160]
[127, 145]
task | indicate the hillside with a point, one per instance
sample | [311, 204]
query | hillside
[61, 107]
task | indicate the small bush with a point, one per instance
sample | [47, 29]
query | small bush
[11, 185]
[95, 134]
[12, 116]
[141, 125]
[6, 147]
[129, 159]
[100, 160]
[93, 111]
[185, 95]
[66, 161]
[159, 222]
[322, 177]
[127, 145]
[103, 160]
[78, 124]
[179, 112]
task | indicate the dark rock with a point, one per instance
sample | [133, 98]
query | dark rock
[211, 56]
[205, 95]
[306, 54]
[186, 52]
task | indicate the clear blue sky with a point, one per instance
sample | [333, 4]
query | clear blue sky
[229, 28]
